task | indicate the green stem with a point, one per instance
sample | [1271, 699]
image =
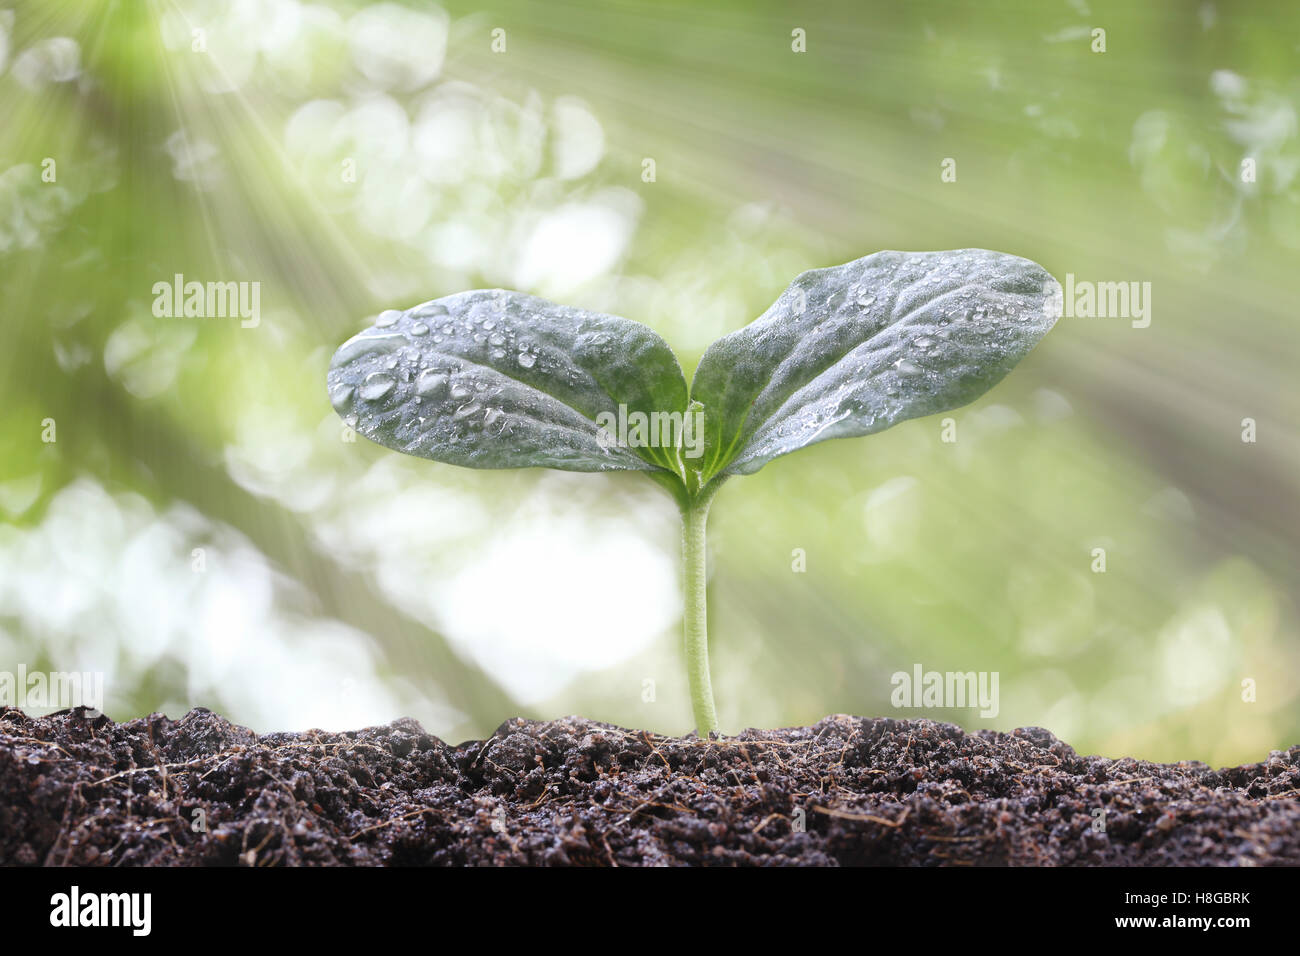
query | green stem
[695, 517]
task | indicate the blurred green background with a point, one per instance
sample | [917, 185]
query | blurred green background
[200, 531]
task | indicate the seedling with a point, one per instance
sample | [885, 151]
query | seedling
[497, 379]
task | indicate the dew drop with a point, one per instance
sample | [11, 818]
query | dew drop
[377, 385]
[360, 345]
[431, 384]
[428, 310]
[526, 360]
[341, 397]
[387, 318]
[420, 329]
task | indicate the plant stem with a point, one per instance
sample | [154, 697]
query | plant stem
[695, 517]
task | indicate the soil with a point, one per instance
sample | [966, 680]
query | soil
[201, 791]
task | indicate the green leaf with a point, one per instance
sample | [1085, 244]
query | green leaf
[497, 379]
[854, 349]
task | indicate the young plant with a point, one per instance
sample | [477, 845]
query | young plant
[497, 379]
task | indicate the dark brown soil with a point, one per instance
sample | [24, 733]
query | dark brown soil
[849, 790]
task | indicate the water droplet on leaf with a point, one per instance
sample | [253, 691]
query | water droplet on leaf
[431, 384]
[341, 398]
[377, 385]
